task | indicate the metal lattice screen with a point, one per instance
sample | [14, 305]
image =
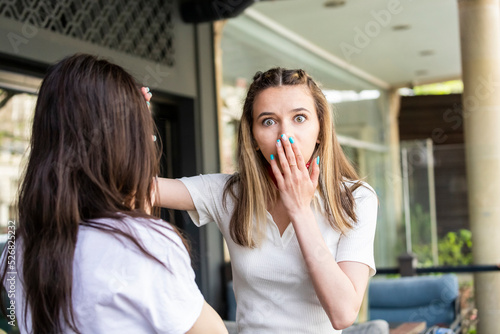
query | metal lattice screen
[143, 29]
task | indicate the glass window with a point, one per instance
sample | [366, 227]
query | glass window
[17, 105]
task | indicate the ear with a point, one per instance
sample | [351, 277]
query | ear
[255, 145]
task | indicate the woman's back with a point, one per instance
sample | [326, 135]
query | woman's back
[117, 289]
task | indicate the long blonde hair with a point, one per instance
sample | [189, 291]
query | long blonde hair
[252, 186]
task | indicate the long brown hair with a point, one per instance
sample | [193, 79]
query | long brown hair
[252, 185]
[91, 156]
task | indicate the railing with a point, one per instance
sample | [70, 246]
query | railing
[407, 267]
[443, 269]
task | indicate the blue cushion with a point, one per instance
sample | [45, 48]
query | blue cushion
[432, 315]
[426, 298]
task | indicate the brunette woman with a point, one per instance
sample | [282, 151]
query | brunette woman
[89, 256]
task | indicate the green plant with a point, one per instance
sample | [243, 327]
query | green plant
[455, 248]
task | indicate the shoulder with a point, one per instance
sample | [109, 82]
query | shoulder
[153, 247]
[362, 190]
[364, 196]
[210, 178]
[209, 181]
[156, 236]
[365, 206]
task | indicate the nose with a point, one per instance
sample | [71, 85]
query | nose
[286, 129]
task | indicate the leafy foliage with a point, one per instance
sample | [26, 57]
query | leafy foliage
[454, 249]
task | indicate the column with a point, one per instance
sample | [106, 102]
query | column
[480, 44]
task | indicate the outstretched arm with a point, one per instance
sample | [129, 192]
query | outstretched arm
[173, 194]
[169, 193]
[340, 287]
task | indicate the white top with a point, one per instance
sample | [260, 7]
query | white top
[274, 293]
[117, 289]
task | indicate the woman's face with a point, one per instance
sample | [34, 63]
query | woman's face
[288, 110]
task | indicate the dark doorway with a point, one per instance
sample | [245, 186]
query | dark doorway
[174, 118]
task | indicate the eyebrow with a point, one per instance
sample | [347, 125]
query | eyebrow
[295, 110]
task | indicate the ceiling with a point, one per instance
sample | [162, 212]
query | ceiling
[387, 43]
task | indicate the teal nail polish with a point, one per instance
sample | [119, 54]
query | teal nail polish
[317, 160]
[283, 135]
[272, 157]
[291, 140]
[148, 103]
[147, 88]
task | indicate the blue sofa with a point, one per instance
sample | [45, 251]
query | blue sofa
[432, 299]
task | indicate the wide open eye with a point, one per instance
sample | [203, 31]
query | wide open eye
[300, 118]
[268, 122]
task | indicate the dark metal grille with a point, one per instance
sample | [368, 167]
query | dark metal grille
[143, 29]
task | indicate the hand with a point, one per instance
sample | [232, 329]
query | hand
[147, 94]
[295, 184]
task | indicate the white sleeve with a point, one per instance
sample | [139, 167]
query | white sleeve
[177, 303]
[357, 244]
[166, 298]
[207, 194]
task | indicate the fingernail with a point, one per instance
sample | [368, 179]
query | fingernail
[147, 102]
[317, 160]
[279, 142]
[283, 136]
[291, 140]
[147, 88]
[272, 157]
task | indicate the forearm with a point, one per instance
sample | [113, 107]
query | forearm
[340, 297]
[173, 194]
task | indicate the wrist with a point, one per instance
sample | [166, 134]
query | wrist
[301, 214]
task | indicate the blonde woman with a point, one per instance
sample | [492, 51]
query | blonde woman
[298, 222]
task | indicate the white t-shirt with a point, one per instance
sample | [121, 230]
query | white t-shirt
[274, 292]
[118, 289]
